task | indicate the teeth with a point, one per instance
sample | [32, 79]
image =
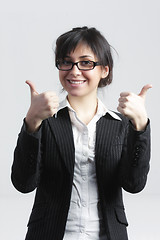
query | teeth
[76, 82]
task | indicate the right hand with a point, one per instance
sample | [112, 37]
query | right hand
[42, 106]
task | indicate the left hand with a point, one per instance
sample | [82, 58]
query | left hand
[133, 106]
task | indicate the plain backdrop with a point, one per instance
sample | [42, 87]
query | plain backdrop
[28, 31]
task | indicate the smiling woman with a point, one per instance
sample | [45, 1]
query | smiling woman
[94, 40]
[78, 154]
[79, 82]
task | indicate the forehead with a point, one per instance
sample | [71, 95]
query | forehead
[82, 50]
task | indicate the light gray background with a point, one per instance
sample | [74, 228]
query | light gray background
[27, 31]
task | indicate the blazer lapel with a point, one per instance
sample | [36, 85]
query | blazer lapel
[106, 133]
[62, 130]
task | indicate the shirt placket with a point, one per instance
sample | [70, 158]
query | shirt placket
[84, 183]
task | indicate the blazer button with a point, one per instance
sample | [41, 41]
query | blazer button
[135, 162]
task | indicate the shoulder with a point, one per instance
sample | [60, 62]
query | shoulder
[116, 116]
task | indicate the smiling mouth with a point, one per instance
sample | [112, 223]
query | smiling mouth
[76, 81]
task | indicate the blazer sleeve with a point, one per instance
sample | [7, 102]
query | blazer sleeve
[135, 161]
[26, 168]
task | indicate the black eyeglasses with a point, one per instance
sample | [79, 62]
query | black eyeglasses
[64, 65]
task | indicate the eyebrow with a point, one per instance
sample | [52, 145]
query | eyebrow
[85, 56]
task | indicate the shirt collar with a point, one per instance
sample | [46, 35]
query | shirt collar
[102, 109]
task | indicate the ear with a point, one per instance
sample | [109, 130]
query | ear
[105, 71]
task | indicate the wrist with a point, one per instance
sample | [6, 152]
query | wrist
[32, 123]
[140, 124]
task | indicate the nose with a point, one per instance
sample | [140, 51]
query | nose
[75, 71]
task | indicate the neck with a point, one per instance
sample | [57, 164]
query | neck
[85, 107]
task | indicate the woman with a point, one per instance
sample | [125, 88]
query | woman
[79, 155]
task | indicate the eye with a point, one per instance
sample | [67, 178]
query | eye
[66, 63]
[86, 63]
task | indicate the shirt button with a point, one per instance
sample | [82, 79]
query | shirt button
[84, 204]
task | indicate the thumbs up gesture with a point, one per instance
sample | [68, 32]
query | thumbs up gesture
[133, 107]
[42, 106]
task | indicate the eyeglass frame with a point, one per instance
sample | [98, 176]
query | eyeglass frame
[76, 63]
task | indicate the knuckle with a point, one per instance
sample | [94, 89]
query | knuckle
[128, 98]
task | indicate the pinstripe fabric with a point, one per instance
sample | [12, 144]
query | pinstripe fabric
[45, 161]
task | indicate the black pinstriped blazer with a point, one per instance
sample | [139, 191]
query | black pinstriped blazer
[45, 161]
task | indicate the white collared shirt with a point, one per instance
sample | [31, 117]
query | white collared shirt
[84, 220]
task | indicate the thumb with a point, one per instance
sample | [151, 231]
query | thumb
[32, 88]
[144, 90]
